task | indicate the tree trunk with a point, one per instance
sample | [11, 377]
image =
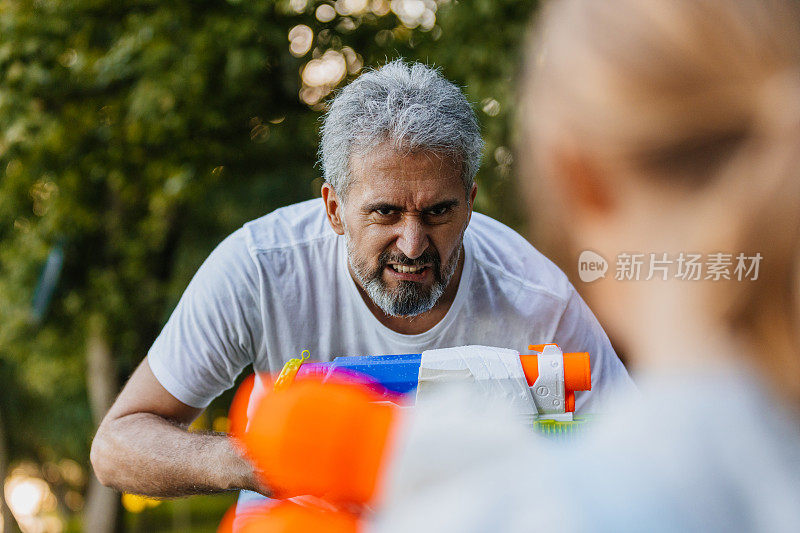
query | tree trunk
[102, 503]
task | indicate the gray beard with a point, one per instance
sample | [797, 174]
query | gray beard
[410, 298]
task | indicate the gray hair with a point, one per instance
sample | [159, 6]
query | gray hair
[410, 105]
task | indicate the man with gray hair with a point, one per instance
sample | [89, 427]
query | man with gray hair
[392, 260]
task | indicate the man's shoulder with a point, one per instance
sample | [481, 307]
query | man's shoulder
[294, 225]
[504, 253]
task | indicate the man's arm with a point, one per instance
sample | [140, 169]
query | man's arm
[143, 446]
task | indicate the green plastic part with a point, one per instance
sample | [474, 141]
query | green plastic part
[562, 431]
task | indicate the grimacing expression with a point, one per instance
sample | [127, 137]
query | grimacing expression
[404, 219]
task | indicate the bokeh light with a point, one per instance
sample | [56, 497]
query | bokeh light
[491, 107]
[325, 13]
[414, 13]
[301, 37]
[326, 70]
[380, 7]
[32, 502]
[351, 7]
[26, 495]
[298, 6]
[354, 61]
[320, 76]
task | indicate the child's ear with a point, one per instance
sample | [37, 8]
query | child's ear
[582, 185]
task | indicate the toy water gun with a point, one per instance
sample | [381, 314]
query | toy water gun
[333, 439]
[552, 376]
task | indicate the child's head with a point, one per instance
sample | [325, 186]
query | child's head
[667, 127]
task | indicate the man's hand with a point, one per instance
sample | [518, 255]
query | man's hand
[143, 446]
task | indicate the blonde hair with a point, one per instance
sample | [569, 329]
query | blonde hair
[689, 93]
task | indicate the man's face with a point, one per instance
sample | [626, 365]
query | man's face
[403, 219]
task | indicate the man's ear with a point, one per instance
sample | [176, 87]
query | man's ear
[471, 200]
[333, 208]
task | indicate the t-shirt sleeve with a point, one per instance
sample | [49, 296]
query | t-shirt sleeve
[215, 330]
[579, 331]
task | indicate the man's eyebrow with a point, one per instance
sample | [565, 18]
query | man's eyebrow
[386, 206]
[444, 204]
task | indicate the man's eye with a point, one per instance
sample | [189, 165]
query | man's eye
[438, 211]
[384, 211]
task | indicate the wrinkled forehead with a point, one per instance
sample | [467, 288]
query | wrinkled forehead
[387, 170]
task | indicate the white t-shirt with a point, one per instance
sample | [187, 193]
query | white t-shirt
[280, 285]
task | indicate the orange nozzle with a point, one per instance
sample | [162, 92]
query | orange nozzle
[325, 440]
[577, 370]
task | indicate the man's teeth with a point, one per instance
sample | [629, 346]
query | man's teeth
[406, 269]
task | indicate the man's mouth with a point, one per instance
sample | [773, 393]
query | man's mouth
[408, 269]
[419, 273]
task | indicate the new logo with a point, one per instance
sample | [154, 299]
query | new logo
[591, 266]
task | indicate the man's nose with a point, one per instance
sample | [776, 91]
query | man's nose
[412, 238]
